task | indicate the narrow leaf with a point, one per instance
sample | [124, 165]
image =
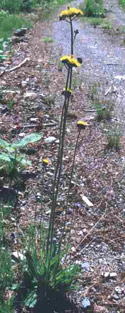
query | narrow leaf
[4, 143]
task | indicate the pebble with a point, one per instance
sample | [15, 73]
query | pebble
[30, 95]
[69, 211]
[116, 297]
[50, 139]
[20, 32]
[86, 303]
[17, 256]
[85, 266]
[113, 275]
[118, 289]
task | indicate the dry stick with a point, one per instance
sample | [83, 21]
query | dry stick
[15, 67]
[91, 230]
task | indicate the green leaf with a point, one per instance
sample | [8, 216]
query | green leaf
[28, 139]
[4, 157]
[31, 299]
[23, 161]
[4, 144]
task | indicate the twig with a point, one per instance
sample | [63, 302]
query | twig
[91, 230]
[15, 67]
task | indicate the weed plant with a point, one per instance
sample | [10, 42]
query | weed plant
[9, 22]
[94, 7]
[103, 111]
[16, 6]
[45, 278]
[6, 272]
[122, 3]
[114, 135]
[12, 162]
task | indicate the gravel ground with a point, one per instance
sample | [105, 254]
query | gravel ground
[103, 54]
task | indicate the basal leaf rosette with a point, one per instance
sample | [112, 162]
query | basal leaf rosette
[81, 125]
[70, 12]
[70, 61]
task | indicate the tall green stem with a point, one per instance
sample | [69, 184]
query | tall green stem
[60, 150]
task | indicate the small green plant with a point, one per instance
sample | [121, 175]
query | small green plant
[12, 161]
[47, 39]
[94, 7]
[106, 24]
[44, 281]
[122, 3]
[114, 135]
[9, 22]
[6, 273]
[94, 21]
[103, 111]
[6, 306]
[10, 104]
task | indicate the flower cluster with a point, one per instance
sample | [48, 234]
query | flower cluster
[70, 61]
[70, 12]
[67, 92]
[46, 162]
[81, 125]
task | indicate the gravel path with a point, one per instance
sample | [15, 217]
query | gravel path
[103, 54]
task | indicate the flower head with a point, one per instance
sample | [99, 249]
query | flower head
[81, 125]
[46, 162]
[67, 92]
[70, 61]
[70, 12]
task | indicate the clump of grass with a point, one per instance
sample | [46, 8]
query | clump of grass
[94, 8]
[114, 135]
[103, 111]
[9, 22]
[47, 39]
[106, 24]
[95, 21]
[122, 3]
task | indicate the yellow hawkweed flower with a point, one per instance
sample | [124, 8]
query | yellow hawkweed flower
[81, 125]
[66, 92]
[70, 12]
[70, 61]
[46, 162]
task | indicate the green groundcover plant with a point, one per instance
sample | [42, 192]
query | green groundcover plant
[10, 22]
[12, 162]
[94, 7]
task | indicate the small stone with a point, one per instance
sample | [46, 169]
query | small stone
[106, 274]
[21, 135]
[38, 197]
[50, 139]
[118, 289]
[116, 297]
[20, 32]
[86, 266]
[86, 303]
[33, 119]
[24, 83]
[17, 256]
[113, 275]
[69, 211]
[30, 95]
